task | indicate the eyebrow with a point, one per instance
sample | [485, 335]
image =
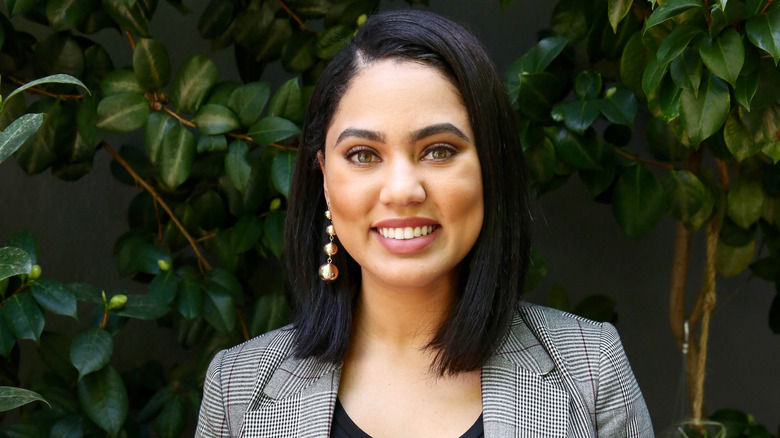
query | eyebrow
[428, 131]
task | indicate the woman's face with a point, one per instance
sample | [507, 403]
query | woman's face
[402, 176]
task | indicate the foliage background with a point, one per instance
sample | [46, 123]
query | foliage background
[77, 223]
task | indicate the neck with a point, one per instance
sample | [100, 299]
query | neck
[401, 318]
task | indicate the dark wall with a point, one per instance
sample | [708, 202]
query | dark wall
[77, 223]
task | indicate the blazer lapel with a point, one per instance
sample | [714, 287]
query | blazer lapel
[297, 400]
[522, 393]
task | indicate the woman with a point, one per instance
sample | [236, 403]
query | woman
[413, 326]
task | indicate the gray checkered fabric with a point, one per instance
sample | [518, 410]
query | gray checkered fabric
[556, 375]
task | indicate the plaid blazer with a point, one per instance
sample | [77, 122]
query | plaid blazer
[555, 375]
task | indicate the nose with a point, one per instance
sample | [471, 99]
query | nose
[403, 184]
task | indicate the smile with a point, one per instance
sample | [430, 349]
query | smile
[406, 232]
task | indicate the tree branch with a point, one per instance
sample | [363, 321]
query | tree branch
[242, 323]
[644, 160]
[202, 263]
[295, 17]
[178, 117]
[36, 90]
[682, 251]
[766, 6]
[130, 38]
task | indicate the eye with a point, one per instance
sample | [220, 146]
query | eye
[439, 153]
[362, 156]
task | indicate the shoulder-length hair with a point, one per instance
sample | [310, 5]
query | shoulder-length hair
[494, 271]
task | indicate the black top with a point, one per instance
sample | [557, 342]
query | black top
[344, 427]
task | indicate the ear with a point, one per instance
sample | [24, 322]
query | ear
[321, 160]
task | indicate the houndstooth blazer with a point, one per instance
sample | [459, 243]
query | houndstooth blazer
[556, 375]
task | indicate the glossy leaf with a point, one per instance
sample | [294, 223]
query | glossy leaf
[172, 418]
[52, 79]
[738, 139]
[331, 41]
[638, 201]
[192, 82]
[103, 398]
[272, 129]
[54, 297]
[237, 165]
[189, 299]
[619, 105]
[151, 64]
[68, 427]
[617, 10]
[670, 9]
[686, 71]
[143, 307]
[745, 202]
[246, 233]
[123, 112]
[725, 55]
[764, 31]
[215, 18]
[248, 101]
[587, 85]
[287, 102]
[632, 63]
[540, 160]
[703, 115]
[91, 350]
[121, 81]
[157, 125]
[746, 88]
[23, 240]
[662, 143]
[535, 93]
[298, 52]
[12, 398]
[219, 309]
[164, 286]
[580, 151]
[677, 42]
[538, 57]
[282, 171]
[730, 261]
[212, 143]
[596, 182]
[12, 137]
[653, 75]
[273, 232]
[270, 313]
[153, 406]
[64, 14]
[684, 194]
[223, 281]
[215, 119]
[128, 15]
[14, 261]
[177, 154]
[24, 316]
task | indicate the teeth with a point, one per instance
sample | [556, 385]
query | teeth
[405, 233]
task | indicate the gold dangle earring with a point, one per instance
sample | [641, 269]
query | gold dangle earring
[329, 272]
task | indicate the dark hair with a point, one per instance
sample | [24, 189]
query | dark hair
[494, 270]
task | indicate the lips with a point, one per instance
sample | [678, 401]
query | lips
[406, 235]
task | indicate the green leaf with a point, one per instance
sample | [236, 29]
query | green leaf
[237, 166]
[123, 112]
[85, 292]
[571, 18]
[746, 88]
[222, 281]
[725, 55]
[587, 85]
[12, 398]
[103, 398]
[272, 129]
[580, 151]
[68, 427]
[638, 201]
[703, 115]
[215, 19]
[539, 57]
[580, 114]
[158, 400]
[677, 42]
[248, 101]
[619, 105]
[535, 93]
[287, 102]
[270, 47]
[745, 202]
[668, 10]
[128, 15]
[684, 194]
[632, 63]
[24, 316]
[282, 171]
[177, 154]
[210, 209]
[270, 313]
[24, 240]
[246, 233]
[653, 75]
[157, 125]
[617, 10]
[54, 297]
[91, 350]
[764, 31]
[596, 182]
[143, 307]
[121, 81]
[52, 79]
[738, 139]
[216, 119]
[298, 52]
[662, 143]
[151, 64]
[189, 299]
[273, 232]
[7, 338]
[540, 160]
[219, 309]
[192, 82]
[12, 137]
[212, 143]
[730, 261]
[686, 71]
[14, 261]
[164, 286]
[331, 41]
[172, 419]
[64, 14]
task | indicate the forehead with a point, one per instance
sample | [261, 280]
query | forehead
[399, 94]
